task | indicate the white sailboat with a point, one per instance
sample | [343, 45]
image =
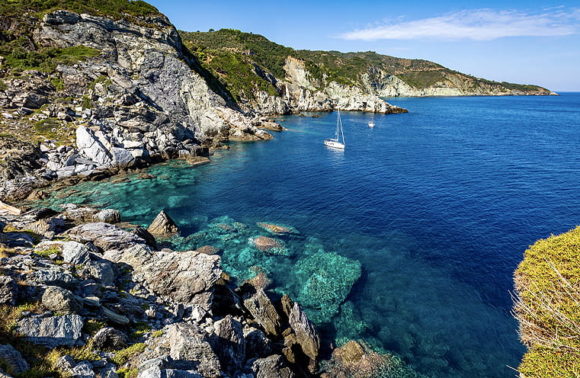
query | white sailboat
[336, 141]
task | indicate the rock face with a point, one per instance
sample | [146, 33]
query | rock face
[163, 225]
[142, 99]
[188, 343]
[52, 331]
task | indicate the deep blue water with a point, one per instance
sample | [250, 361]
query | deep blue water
[437, 205]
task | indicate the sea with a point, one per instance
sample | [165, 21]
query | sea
[407, 240]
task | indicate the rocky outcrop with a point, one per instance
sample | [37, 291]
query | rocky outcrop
[163, 225]
[300, 92]
[131, 307]
[142, 99]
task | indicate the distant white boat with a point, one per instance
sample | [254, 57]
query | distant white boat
[372, 123]
[336, 141]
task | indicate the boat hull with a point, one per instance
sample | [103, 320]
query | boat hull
[334, 144]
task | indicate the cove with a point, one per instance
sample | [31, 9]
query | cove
[430, 210]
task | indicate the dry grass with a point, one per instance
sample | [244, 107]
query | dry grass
[548, 306]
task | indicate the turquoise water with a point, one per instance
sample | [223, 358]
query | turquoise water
[431, 211]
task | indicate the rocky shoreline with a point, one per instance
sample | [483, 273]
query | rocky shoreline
[85, 295]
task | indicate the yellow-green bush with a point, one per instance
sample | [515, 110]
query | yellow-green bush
[548, 306]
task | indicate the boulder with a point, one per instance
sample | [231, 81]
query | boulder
[184, 277]
[263, 311]
[8, 291]
[104, 236]
[12, 361]
[188, 343]
[92, 147]
[161, 367]
[229, 344]
[271, 367]
[58, 299]
[100, 270]
[163, 225]
[110, 338]
[83, 370]
[75, 253]
[53, 276]
[52, 331]
[90, 214]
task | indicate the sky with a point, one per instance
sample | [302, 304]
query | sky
[528, 42]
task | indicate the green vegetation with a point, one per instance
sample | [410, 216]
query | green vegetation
[548, 306]
[112, 8]
[124, 355]
[18, 58]
[232, 55]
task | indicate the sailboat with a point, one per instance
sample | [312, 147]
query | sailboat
[336, 141]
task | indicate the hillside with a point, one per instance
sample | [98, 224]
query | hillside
[250, 65]
[548, 306]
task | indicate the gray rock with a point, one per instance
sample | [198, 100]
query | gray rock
[271, 367]
[110, 338]
[53, 276]
[101, 271]
[83, 370]
[184, 277]
[75, 253]
[306, 334]
[65, 364]
[58, 299]
[109, 371]
[258, 345]
[104, 236]
[92, 147]
[163, 225]
[188, 343]
[12, 360]
[263, 311]
[108, 216]
[229, 344]
[52, 331]
[114, 317]
[8, 291]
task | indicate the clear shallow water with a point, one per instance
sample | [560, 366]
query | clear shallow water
[437, 206]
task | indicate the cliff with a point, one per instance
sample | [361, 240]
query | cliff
[272, 78]
[88, 88]
[547, 307]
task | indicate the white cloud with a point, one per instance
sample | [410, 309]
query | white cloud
[479, 25]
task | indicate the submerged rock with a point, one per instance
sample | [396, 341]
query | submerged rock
[269, 245]
[163, 225]
[356, 359]
[278, 229]
[326, 280]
